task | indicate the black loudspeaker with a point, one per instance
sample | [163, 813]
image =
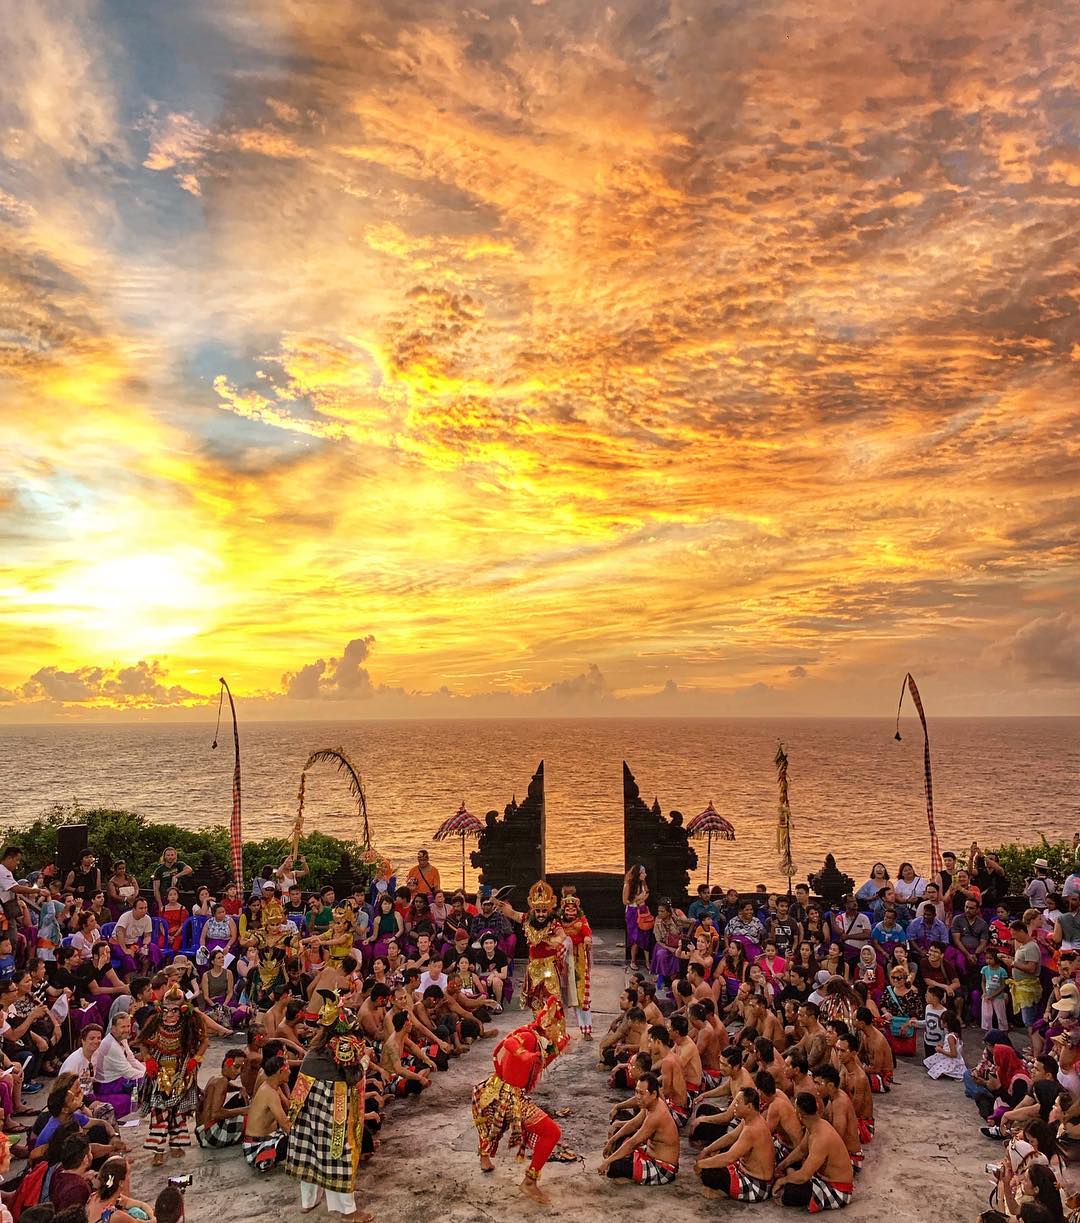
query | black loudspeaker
[70, 844]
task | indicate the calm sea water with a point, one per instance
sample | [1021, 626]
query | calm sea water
[854, 790]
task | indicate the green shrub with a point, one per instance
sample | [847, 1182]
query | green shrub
[1019, 861]
[140, 843]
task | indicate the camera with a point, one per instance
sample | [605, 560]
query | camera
[181, 1182]
[993, 1170]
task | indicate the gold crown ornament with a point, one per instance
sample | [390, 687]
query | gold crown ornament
[541, 895]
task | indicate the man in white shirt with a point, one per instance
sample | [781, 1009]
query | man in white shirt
[80, 1062]
[117, 1071]
[131, 939]
[10, 890]
[433, 974]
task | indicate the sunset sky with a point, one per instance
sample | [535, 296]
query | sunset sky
[539, 356]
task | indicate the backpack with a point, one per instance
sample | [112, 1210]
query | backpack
[29, 1190]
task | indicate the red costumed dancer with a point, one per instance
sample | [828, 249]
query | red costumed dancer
[502, 1102]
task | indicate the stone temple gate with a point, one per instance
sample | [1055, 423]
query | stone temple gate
[511, 850]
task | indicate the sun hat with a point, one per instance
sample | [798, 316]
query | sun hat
[1041, 864]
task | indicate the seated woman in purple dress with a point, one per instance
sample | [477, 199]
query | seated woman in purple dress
[386, 928]
[666, 965]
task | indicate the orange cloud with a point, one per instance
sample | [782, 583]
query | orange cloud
[721, 352]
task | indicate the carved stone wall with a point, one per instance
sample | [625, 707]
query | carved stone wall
[511, 847]
[660, 845]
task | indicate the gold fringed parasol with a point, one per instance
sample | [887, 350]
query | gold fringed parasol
[710, 823]
[461, 824]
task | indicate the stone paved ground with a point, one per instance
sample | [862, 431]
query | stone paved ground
[926, 1162]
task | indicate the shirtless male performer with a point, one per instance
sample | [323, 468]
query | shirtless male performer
[646, 1149]
[220, 1120]
[372, 1012]
[712, 1118]
[708, 1042]
[688, 1053]
[817, 1174]
[876, 1055]
[780, 1115]
[672, 1079]
[854, 1081]
[616, 1032]
[814, 1042]
[839, 1112]
[266, 1131]
[742, 1162]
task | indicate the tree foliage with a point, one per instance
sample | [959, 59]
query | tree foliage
[1019, 861]
[115, 834]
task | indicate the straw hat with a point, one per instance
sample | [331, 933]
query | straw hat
[1041, 864]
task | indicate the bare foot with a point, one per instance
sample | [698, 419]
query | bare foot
[532, 1189]
[487, 1164]
[306, 1210]
[158, 1160]
[713, 1193]
[177, 1152]
[358, 1216]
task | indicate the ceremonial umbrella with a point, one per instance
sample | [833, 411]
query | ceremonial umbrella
[461, 824]
[710, 823]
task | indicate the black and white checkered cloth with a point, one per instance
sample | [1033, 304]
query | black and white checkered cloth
[309, 1157]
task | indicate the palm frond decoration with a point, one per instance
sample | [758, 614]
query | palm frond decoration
[336, 757]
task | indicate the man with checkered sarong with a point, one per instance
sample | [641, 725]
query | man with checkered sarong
[817, 1175]
[646, 1149]
[220, 1121]
[740, 1165]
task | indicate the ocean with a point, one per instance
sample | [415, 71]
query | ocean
[854, 790]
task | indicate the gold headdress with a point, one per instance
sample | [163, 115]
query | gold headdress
[332, 1011]
[549, 1023]
[541, 895]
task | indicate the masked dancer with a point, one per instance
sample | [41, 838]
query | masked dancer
[502, 1101]
[327, 1114]
[174, 1040]
[578, 961]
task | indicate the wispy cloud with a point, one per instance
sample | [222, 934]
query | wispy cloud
[708, 348]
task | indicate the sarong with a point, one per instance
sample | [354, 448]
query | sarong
[737, 1183]
[680, 1112]
[818, 1194]
[225, 1133]
[264, 1154]
[643, 1169]
[324, 1144]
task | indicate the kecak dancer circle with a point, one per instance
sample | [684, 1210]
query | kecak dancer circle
[502, 1101]
[327, 1115]
[547, 949]
[578, 962]
[175, 1039]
